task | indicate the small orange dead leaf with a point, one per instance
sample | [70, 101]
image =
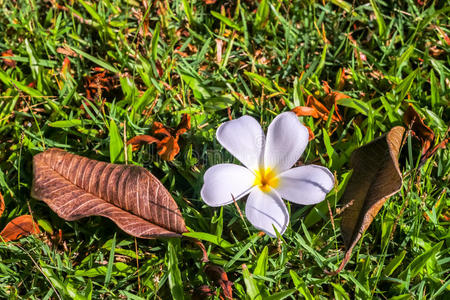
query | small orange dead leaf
[65, 67]
[140, 140]
[19, 227]
[9, 62]
[168, 147]
[101, 81]
[167, 143]
[304, 111]
[322, 109]
[2, 204]
[311, 133]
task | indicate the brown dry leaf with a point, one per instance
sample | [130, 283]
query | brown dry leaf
[430, 153]
[76, 187]
[218, 275]
[140, 140]
[185, 124]
[322, 110]
[376, 177]
[19, 227]
[311, 133]
[102, 81]
[303, 111]
[418, 128]
[203, 292]
[66, 51]
[2, 205]
[167, 145]
[65, 69]
[9, 62]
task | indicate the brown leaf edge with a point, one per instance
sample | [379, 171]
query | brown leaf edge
[75, 187]
[218, 275]
[418, 128]
[19, 227]
[2, 205]
[376, 177]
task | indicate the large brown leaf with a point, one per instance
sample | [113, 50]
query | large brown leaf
[376, 177]
[76, 187]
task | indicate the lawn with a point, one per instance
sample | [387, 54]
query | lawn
[87, 77]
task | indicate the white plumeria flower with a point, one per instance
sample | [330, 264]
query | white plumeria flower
[267, 176]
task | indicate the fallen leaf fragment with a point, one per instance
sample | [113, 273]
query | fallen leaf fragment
[218, 275]
[7, 61]
[76, 187]
[317, 110]
[430, 153]
[418, 128]
[305, 111]
[203, 292]
[167, 142]
[376, 177]
[311, 133]
[140, 140]
[2, 205]
[19, 227]
[65, 69]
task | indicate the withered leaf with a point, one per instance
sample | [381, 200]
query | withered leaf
[376, 177]
[418, 128]
[317, 110]
[7, 61]
[305, 111]
[19, 227]
[76, 187]
[140, 140]
[167, 143]
[218, 275]
[2, 204]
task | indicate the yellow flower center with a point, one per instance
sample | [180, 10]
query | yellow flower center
[266, 179]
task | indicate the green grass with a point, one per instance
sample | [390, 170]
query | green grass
[161, 62]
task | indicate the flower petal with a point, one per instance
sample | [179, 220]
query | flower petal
[306, 184]
[225, 181]
[244, 138]
[266, 209]
[286, 140]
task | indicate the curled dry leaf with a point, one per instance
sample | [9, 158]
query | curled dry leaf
[140, 140]
[203, 292]
[317, 110]
[7, 61]
[218, 275]
[418, 128]
[2, 205]
[167, 141]
[376, 177]
[76, 187]
[19, 227]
